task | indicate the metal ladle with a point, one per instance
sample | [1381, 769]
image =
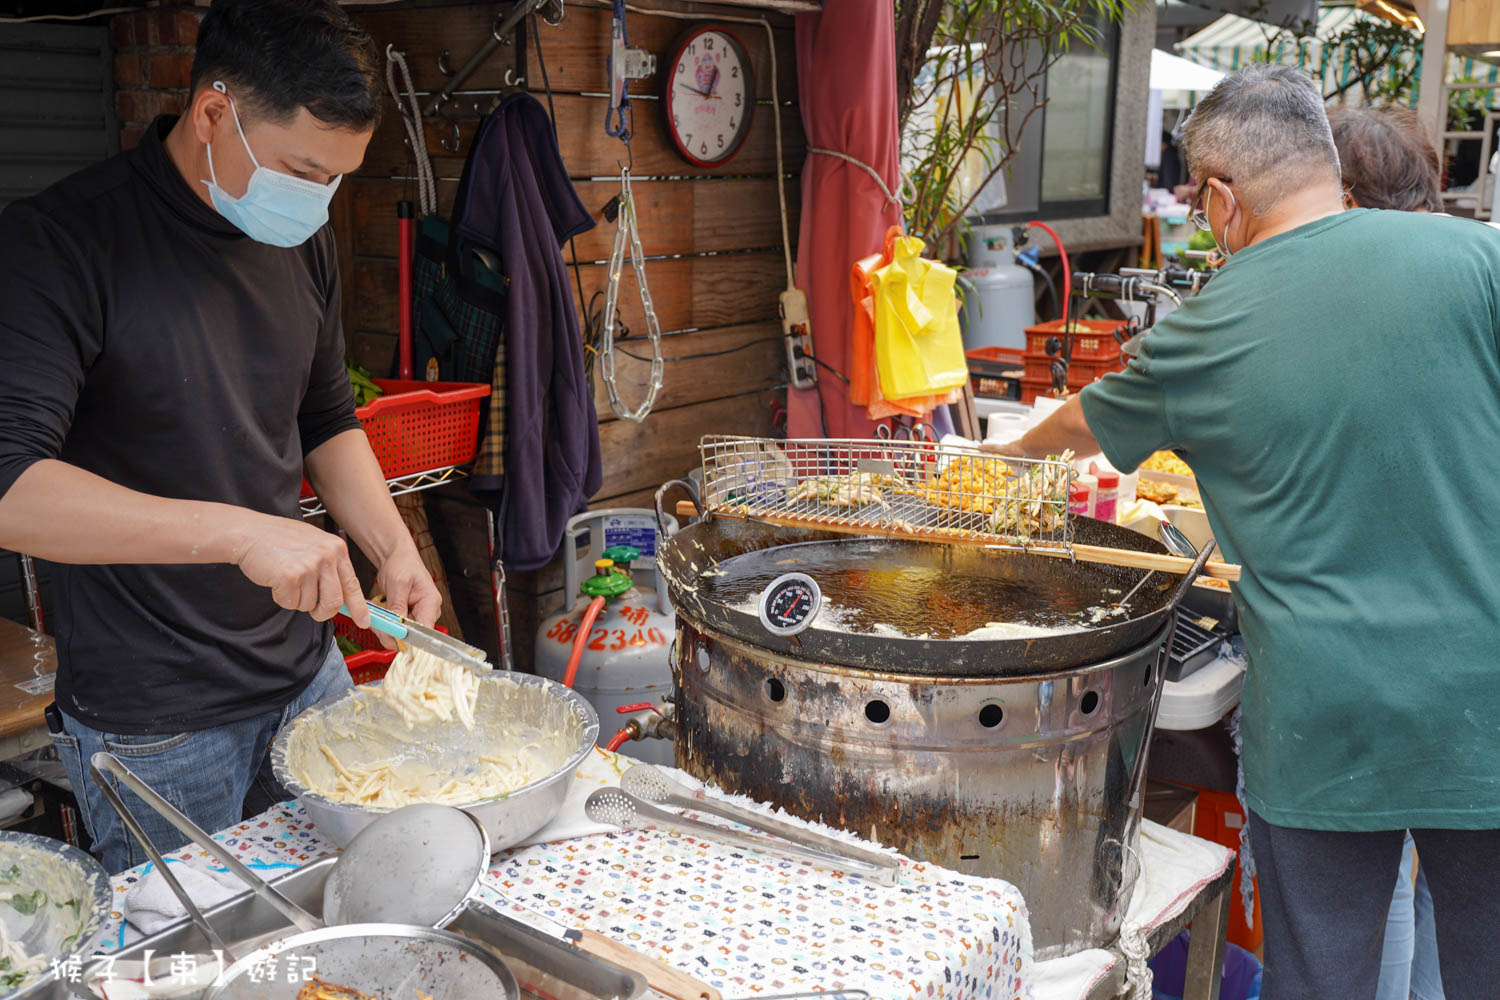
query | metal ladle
[418, 864]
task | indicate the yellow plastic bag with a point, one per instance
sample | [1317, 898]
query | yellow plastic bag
[918, 348]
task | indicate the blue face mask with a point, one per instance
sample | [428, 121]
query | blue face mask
[276, 208]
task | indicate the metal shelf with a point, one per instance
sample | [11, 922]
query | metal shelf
[400, 486]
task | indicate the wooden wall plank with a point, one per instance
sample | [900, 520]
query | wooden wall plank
[688, 292]
[665, 445]
[758, 362]
[676, 216]
[587, 151]
[576, 51]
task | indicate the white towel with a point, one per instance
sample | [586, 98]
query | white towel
[150, 905]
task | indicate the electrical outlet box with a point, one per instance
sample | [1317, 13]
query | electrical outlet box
[797, 329]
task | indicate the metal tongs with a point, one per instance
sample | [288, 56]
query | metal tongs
[631, 805]
[427, 639]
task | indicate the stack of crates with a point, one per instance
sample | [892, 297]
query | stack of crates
[1095, 354]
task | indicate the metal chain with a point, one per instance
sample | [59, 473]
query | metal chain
[627, 233]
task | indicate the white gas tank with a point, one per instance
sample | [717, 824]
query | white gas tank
[999, 301]
[624, 656]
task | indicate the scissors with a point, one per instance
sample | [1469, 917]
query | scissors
[919, 431]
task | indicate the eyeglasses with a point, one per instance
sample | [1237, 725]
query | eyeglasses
[1199, 214]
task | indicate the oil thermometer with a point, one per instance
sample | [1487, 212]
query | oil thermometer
[790, 604]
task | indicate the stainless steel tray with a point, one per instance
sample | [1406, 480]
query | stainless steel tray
[545, 966]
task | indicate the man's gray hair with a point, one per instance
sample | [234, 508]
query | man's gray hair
[1263, 127]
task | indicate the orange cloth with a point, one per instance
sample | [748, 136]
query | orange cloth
[864, 380]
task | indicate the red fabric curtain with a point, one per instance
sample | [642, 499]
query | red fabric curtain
[846, 80]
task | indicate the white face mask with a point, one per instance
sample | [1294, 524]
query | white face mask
[276, 208]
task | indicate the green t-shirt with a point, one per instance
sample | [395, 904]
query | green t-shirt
[1336, 390]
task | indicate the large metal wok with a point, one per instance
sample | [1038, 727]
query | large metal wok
[690, 562]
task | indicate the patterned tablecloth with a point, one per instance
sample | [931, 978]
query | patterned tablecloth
[747, 923]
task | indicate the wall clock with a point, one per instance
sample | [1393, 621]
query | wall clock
[709, 95]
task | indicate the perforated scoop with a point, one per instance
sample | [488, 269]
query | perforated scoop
[612, 806]
[616, 807]
[415, 865]
[652, 784]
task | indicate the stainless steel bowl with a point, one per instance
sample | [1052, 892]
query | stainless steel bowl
[83, 875]
[387, 960]
[507, 818]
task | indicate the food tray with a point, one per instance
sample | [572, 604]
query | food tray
[1193, 647]
[546, 967]
[421, 426]
[1204, 601]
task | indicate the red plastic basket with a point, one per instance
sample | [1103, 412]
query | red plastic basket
[1093, 339]
[369, 665]
[418, 426]
[373, 659]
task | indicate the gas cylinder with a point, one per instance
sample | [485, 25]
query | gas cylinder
[624, 657]
[999, 303]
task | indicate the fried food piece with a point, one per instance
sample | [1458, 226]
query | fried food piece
[1165, 461]
[322, 989]
[1148, 489]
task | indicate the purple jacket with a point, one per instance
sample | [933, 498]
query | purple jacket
[521, 203]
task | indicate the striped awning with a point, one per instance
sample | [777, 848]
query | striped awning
[1233, 41]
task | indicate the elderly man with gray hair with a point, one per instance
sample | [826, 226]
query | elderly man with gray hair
[1336, 389]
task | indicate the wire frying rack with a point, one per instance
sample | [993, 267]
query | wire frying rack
[898, 489]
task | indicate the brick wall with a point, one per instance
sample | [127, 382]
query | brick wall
[153, 61]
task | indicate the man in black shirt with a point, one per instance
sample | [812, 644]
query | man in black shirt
[171, 362]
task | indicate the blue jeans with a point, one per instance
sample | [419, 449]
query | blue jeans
[1325, 898]
[1409, 960]
[212, 775]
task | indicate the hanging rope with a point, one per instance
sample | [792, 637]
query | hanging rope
[411, 118]
[885, 189]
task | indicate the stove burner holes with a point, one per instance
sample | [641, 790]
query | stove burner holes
[1090, 702]
[878, 712]
[775, 690]
[991, 716]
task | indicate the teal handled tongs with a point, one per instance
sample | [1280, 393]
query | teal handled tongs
[421, 637]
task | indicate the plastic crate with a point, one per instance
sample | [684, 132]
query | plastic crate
[1035, 388]
[1219, 818]
[1093, 339]
[993, 372]
[1080, 372]
[419, 426]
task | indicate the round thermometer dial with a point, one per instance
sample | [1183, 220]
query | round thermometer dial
[790, 604]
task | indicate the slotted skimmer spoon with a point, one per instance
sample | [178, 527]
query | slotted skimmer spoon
[651, 783]
[616, 807]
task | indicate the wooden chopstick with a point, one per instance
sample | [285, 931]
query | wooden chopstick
[1101, 554]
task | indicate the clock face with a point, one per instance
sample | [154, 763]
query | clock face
[710, 96]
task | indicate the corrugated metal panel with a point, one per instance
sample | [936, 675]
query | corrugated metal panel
[56, 104]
